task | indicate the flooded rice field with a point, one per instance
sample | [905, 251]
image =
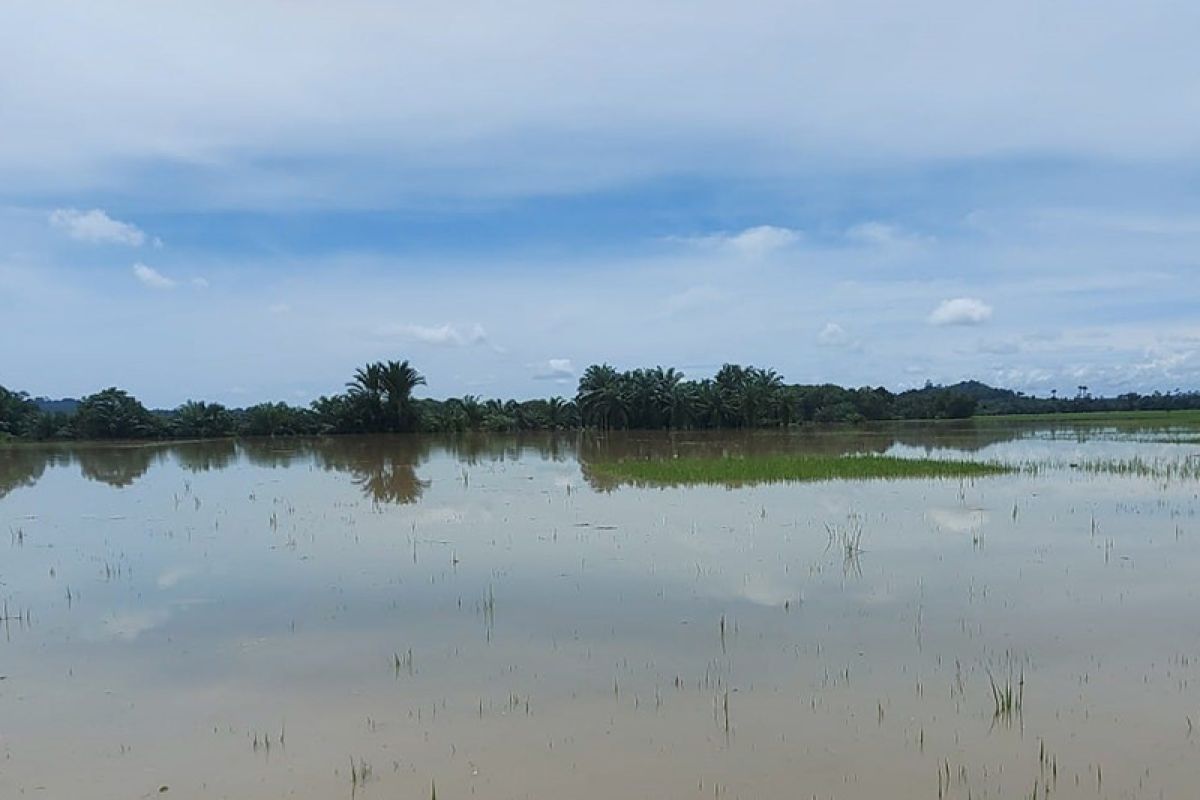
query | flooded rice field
[486, 616]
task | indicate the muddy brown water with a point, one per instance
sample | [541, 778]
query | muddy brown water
[371, 617]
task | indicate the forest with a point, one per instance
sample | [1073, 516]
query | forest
[379, 398]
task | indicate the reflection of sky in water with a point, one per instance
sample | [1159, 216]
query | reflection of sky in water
[185, 602]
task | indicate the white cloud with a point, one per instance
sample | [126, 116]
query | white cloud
[152, 277]
[763, 239]
[887, 236]
[446, 335]
[961, 311]
[756, 242]
[585, 313]
[1172, 360]
[1025, 378]
[200, 283]
[833, 335]
[646, 111]
[279, 308]
[560, 370]
[97, 227]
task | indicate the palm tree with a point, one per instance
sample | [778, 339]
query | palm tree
[664, 391]
[560, 413]
[641, 388]
[601, 397]
[731, 382]
[761, 396]
[711, 407]
[399, 379]
[202, 420]
[384, 391]
[366, 390]
[115, 414]
[676, 399]
[472, 410]
[368, 381]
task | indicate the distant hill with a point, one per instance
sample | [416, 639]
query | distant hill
[67, 405]
[990, 400]
[984, 393]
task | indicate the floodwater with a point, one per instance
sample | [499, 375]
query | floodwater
[377, 617]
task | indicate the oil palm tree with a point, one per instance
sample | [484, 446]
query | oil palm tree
[367, 381]
[366, 390]
[731, 382]
[711, 408]
[115, 414]
[670, 398]
[641, 386]
[601, 397]
[472, 410]
[384, 392]
[398, 380]
[560, 413]
[761, 397]
[202, 420]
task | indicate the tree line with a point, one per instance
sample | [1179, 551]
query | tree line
[379, 399]
[1079, 401]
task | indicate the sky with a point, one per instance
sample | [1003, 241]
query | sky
[244, 201]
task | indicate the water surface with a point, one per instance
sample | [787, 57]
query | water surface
[248, 620]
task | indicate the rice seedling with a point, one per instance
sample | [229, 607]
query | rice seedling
[403, 663]
[790, 468]
[1008, 699]
[846, 538]
[360, 773]
[1165, 469]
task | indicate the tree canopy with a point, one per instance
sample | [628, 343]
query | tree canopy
[379, 398]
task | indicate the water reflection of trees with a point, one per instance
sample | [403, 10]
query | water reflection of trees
[205, 456]
[383, 466]
[118, 466]
[23, 466]
[276, 453]
[386, 467]
[476, 447]
[966, 435]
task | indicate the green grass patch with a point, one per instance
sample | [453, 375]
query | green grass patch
[789, 468]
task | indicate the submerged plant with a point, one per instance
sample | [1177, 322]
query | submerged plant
[1007, 699]
[360, 773]
[847, 539]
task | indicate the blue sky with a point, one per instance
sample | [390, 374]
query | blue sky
[243, 201]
